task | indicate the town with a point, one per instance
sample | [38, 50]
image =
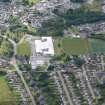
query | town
[52, 52]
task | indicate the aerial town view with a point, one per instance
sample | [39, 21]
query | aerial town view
[52, 52]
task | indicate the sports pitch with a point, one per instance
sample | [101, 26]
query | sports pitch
[79, 46]
[75, 45]
[98, 46]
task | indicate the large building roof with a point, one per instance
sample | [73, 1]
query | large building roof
[44, 46]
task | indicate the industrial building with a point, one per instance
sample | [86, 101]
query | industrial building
[44, 46]
[42, 50]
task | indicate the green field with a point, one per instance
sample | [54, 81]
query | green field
[57, 41]
[7, 97]
[78, 46]
[75, 46]
[24, 49]
[98, 46]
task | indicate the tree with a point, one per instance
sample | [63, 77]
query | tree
[78, 1]
[6, 48]
[78, 61]
[52, 27]
[5, 0]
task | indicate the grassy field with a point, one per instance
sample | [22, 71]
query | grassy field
[98, 46]
[75, 46]
[24, 49]
[78, 46]
[7, 97]
[57, 42]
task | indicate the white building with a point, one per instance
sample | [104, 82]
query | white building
[44, 46]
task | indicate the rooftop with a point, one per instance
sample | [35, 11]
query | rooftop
[44, 46]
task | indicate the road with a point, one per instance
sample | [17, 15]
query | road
[64, 87]
[102, 63]
[88, 83]
[18, 71]
[25, 84]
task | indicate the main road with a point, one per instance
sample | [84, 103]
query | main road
[25, 84]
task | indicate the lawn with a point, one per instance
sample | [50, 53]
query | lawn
[98, 46]
[7, 97]
[76, 46]
[24, 49]
[58, 41]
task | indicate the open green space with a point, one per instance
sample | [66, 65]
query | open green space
[58, 45]
[75, 45]
[6, 48]
[72, 46]
[7, 97]
[24, 49]
[78, 46]
[98, 46]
